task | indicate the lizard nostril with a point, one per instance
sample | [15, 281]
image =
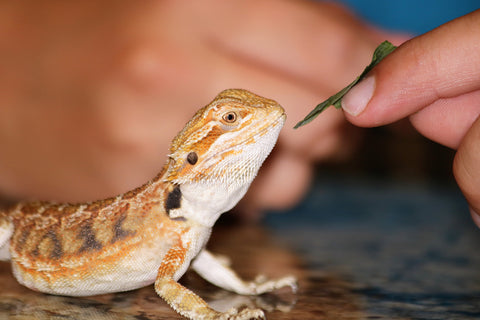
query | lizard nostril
[192, 158]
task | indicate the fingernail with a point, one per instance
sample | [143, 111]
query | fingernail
[475, 217]
[358, 97]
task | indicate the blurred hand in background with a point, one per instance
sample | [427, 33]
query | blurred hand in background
[93, 92]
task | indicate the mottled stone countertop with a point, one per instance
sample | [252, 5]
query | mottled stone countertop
[361, 248]
[396, 250]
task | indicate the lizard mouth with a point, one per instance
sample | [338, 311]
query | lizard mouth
[273, 124]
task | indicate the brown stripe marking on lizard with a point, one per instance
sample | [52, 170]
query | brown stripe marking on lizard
[102, 240]
[52, 231]
[119, 233]
[50, 246]
[89, 238]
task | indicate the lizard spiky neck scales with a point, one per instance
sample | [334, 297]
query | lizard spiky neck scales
[153, 233]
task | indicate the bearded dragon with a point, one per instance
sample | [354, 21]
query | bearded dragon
[153, 233]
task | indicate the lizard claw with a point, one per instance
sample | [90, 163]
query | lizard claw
[245, 314]
[263, 285]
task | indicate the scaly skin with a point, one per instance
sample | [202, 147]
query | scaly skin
[153, 233]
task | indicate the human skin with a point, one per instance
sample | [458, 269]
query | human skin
[433, 79]
[93, 92]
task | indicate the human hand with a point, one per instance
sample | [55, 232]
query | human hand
[93, 93]
[434, 80]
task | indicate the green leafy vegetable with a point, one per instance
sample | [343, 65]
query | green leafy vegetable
[384, 49]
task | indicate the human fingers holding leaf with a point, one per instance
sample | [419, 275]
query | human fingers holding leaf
[433, 79]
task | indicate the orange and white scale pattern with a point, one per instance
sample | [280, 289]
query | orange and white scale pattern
[152, 234]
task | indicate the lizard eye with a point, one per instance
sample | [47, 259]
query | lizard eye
[230, 117]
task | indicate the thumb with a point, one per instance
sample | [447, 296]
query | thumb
[442, 63]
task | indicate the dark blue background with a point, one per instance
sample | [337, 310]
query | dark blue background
[412, 16]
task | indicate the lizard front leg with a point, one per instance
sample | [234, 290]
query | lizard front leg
[184, 301]
[215, 270]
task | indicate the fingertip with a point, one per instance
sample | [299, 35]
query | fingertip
[357, 99]
[475, 217]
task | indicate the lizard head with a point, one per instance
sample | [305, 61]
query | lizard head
[219, 152]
